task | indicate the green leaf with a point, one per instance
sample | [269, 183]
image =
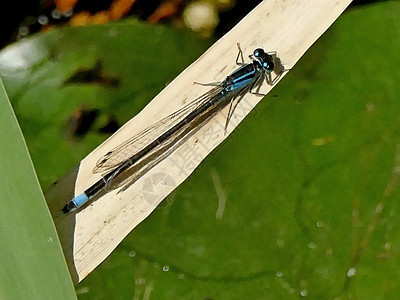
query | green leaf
[32, 263]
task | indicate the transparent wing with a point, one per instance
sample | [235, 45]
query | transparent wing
[127, 149]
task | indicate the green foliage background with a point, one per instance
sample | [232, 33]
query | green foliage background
[311, 176]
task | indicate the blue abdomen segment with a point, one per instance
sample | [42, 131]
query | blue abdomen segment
[80, 200]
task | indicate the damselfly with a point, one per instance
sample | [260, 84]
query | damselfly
[127, 162]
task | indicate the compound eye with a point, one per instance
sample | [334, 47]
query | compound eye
[258, 52]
